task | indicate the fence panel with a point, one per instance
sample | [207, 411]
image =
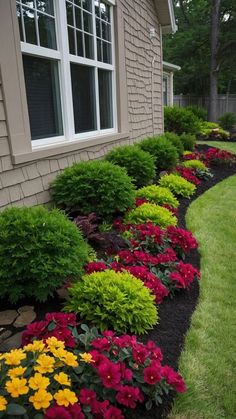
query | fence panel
[225, 103]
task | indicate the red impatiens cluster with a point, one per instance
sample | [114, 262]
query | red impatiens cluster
[188, 174]
[214, 155]
[181, 239]
[184, 275]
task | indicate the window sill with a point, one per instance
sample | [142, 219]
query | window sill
[55, 150]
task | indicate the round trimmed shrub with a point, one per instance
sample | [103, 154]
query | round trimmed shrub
[199, 112]
[153, 213]
[94, 186]
[176, 141]
[139, 165]
[188, 141]
[164, 153]
[180, 120]
[178, 185]
[194, 164]
[158, 195]
[113, 300]
[39, 250]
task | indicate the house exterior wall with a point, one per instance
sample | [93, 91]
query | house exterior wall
[27, 184]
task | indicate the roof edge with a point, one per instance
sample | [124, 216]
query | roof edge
[169, 66]
[167, 6]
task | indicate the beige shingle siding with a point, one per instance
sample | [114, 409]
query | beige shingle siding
[28, 184]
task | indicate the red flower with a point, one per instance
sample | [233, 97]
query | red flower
[62, 319]
[152, 374]
[140, 201]
[171, 209]
[173, 379]
[126, 373]
[98, 358]
[109, 374]
[95, 267]
[139, 353]
[34, 330]
[102, 344]
[158, 289]
[75, 411]
[55, 412]
[87, 396]
[185, 275]
[64, 334]
[113, 413]
[182, 238]
[128, 396]
[99, 408]
[188, 174]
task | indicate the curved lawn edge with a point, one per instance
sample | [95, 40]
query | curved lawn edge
[208, 360]
[223, 145]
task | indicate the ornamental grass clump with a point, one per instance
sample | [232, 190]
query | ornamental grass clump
[158, 195]
[118, 301]
[139, 164]
[164, 153]
[153, 213]
[178, 185]
[39, 250]
[94, 186]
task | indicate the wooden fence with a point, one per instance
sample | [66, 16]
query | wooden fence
[225, 103]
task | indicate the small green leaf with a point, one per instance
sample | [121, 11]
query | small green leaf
[14, 409]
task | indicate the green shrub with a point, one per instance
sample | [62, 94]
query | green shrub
[178, 185]
[153, 213]
[227, 121]
[94, 186]
[158, 195]
[164, 153]
[200, 113]
[194, 164]
[212, 131]
[188, 141]
[176, 141]
[138, 164]
[180, 120]
[39, 250]
[112, 300]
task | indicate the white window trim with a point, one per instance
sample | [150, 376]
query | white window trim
[64, 59]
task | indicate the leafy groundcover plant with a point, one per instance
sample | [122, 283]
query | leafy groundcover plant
[150, 212]
[113, 300]
[103, 376]
[178, 185]
[158, 195]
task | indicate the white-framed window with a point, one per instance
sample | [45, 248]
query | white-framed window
[69, 67]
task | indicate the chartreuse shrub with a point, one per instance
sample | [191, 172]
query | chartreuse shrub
[94, 186]
[113, 300]
[188, 141]
[194, 164]
[212, 131]
[158, 195]
[180, 120]
[178, 185]
[153, 213]
[139, 164]
[39, 250]
[176, 141]
[165, 154]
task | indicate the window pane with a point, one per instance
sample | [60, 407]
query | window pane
[69, 13]
[105, 11]
[71, 37]
[106, 52]
[84, 101]
[80, 49]
[106, 31]
[19, 21]
[88, 23]
[99, 49]
[43, 96]
[89, 46]
[105, 98]
[28, 3]
[97, 8]
[47, 33]
[29, 21]
[45, 6]
[98, 27]
[87, 5]
[78, 18]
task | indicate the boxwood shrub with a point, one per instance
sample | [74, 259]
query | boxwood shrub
[164, 153]
[38, 251]
[178, 185]
[188, 141]
[180, 120]
[158, 195]
[94, 186]
[176, 141]
[138, 164]
[112, 300]
[153, 213]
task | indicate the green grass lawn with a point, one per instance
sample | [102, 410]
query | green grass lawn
[222, 145]
[208, 362]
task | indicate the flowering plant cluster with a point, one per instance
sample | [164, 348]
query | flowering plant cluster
[102, 377]
[188, 174]
[216, 156]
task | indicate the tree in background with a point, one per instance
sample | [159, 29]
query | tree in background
[214, 62]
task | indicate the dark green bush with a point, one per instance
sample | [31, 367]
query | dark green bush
[94, 186]
[138, 164]
[39, 250]
[188, 141]
[164, 153]
[180, 120]
[199, 112]
[112, 300]
[227, 121]
[176, 141]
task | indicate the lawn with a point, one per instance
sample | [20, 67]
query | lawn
[208, 362]
[222, 145]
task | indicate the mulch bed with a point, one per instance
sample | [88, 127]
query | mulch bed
[175, 314]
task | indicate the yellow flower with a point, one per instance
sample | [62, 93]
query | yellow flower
[70, 360]
[86, 357]
[14, 357]
[41, 399]
[46, 364]
[54, 343]
[62, 379]
[65, 397]
[36, 346]
[15, 372]
[59, 353]
[3, 403]
[17, 386]
[38, 382]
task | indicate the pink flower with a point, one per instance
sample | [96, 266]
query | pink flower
[98, 358]
[128, 396]
[55, 412]
[109, 374]
[62, 319]
[99, 408]
[87, 396]
[95, 267]
[102, 344]
[75, 411]
[152, 374]
[173, 379]
[139, 353]
[113, 413]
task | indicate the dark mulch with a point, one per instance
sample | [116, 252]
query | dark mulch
[175, 315]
